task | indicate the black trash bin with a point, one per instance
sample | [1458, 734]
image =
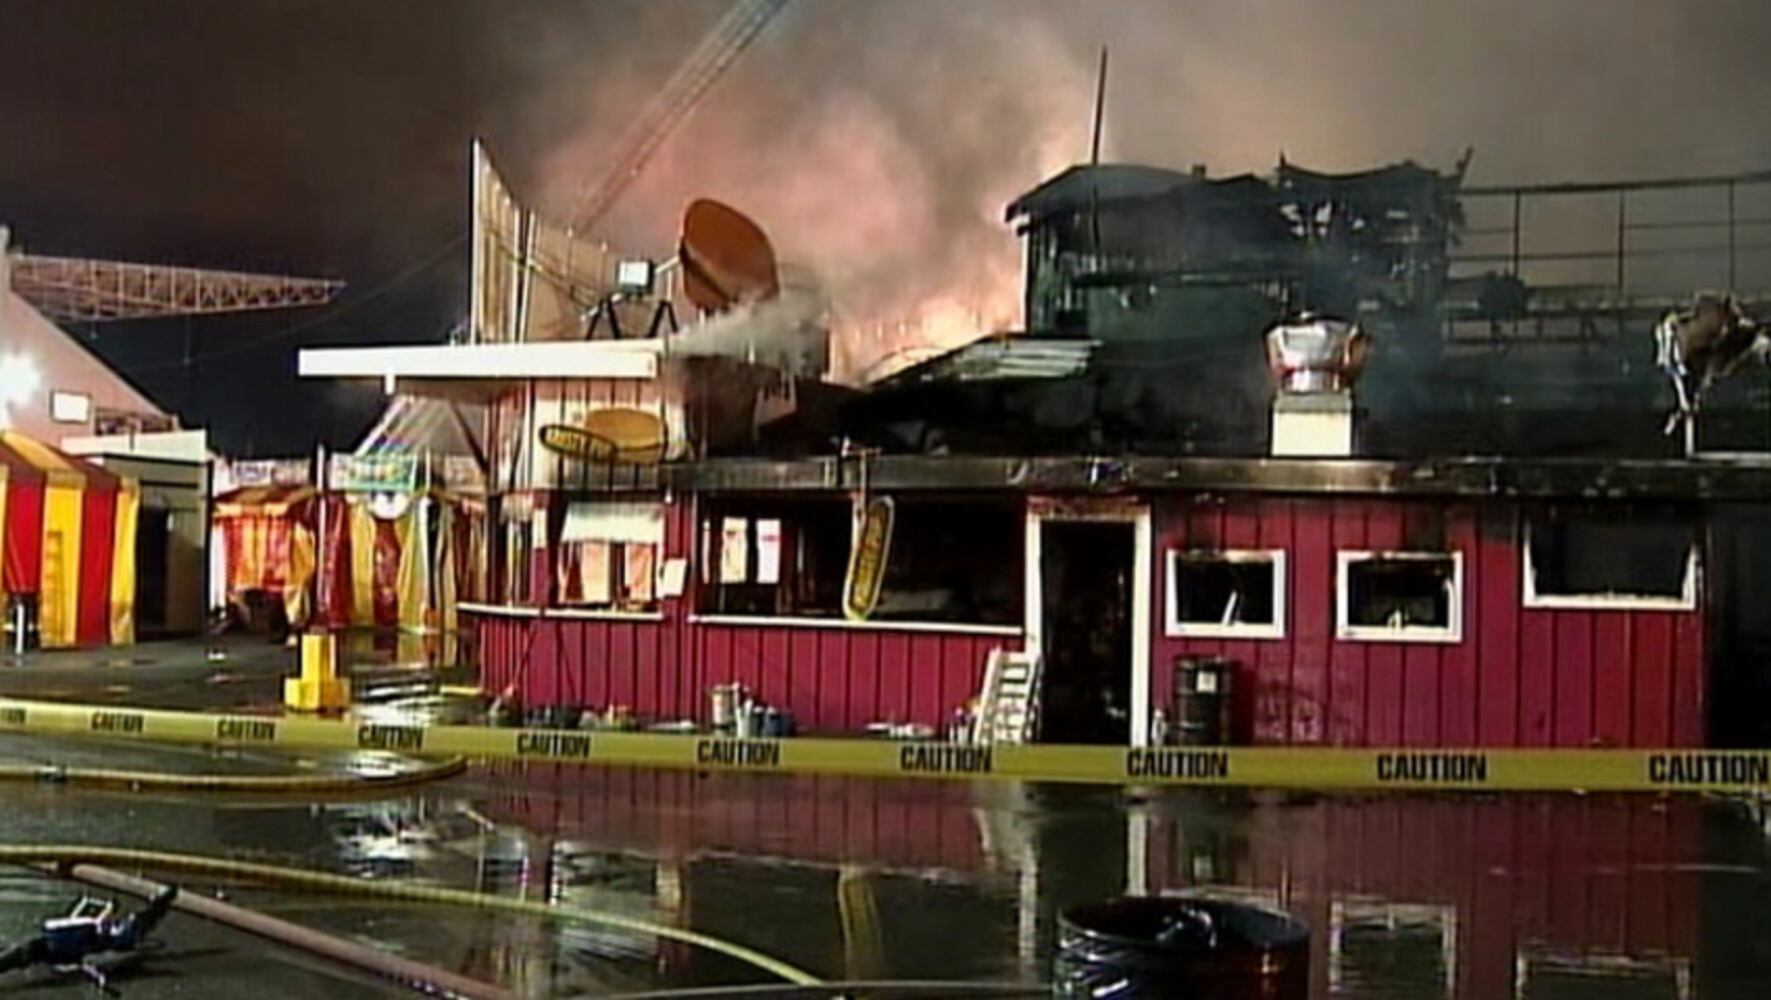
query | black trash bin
[1144, 947]
[1202, 700]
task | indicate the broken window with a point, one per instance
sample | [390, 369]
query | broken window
[1409, 950]
[949, 561]
[1583, 558]
[1401, 596]
[608, 555]
[1227, 593]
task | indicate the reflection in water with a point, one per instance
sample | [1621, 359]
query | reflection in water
[1418, 897]
[1407, 896]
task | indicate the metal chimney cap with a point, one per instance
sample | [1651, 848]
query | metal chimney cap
[1311, 353]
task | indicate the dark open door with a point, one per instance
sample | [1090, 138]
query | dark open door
[1086, 585]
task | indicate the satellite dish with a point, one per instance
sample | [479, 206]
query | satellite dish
[726, 258]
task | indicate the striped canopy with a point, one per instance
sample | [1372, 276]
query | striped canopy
[262, 501]
[67, 536]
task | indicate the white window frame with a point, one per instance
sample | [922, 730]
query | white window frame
[1528, 959]
[1346, 631]
[1686, 601]
[1218, 630]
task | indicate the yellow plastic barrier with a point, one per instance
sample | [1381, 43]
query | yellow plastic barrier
[1663, 770]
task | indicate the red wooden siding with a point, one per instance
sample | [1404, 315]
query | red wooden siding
[831, 678]
[1518, 677]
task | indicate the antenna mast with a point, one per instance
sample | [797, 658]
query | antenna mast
[1094, 149]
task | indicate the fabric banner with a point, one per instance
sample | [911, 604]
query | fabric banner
[58, 604]
[362, 565]
[98, 529]
[414, 565]
[448, 618]
[122, 603]
[334, 586]
[297, 582]
[386, 571]
[23, 572]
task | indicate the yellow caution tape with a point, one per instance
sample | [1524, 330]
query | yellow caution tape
[1657, 770]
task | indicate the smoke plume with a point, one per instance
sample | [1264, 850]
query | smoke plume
[879, 151]
[878, 143]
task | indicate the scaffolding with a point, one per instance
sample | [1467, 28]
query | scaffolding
[1585, 264]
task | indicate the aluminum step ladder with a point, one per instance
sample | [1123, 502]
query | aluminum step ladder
[1008, 706]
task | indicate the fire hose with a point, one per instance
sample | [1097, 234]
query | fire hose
[266, 784]
[66, 856]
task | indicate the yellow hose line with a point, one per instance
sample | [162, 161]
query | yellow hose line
[301, 878]
[289, 784]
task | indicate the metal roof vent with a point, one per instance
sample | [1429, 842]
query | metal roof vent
[1315, 360]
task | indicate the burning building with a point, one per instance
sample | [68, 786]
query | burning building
[1412, 489]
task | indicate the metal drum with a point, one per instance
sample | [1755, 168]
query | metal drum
[1145, 947]
[1202, 700]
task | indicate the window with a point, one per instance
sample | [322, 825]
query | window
[1235, 593]
[1400, 596]
[1587, 559]
[949, 561]
[609, 555]
[70, 407]
[1411, 949]
[1541, 974]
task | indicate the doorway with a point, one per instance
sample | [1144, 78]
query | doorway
[1087, 582]
[153, 538]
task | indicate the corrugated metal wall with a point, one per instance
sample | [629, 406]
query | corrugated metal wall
[1518, 677]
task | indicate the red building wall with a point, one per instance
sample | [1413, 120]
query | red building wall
[1518, 676]
[831, 677]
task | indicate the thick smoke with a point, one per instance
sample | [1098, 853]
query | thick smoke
[879, 149]
[879, 142]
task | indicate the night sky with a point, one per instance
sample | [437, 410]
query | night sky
[322, 138]
[877, 141]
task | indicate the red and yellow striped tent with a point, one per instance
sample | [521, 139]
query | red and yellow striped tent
[67, 536]
[266, 537]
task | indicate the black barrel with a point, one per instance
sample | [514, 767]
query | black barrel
[1144, 947]
[1202, 700]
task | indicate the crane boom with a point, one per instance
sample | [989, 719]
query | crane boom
[71, 288]
[718, 50]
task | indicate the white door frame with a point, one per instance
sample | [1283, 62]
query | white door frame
[1143, 561]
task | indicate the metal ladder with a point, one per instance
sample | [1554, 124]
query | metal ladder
[1009, 704]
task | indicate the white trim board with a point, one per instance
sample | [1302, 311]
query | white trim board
[1175, 628]
[635, 359]
[1142, 574]
[1345, 631]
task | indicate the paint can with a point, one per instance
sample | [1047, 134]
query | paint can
[723, 702]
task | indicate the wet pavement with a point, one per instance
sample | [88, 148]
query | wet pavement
[1541, 896]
